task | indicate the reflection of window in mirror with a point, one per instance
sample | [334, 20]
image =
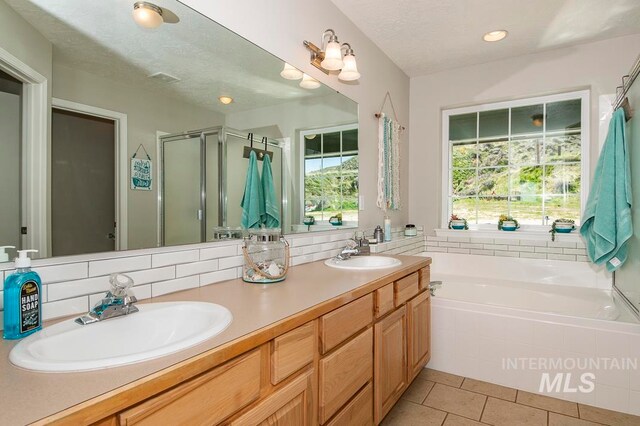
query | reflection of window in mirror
[331, 173]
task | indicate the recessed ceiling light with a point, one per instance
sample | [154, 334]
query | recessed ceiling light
[225, 99]
[495, 35]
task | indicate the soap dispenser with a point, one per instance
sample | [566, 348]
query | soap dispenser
[4, 256]
[22, 299]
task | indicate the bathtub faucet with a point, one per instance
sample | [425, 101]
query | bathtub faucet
[433, 285]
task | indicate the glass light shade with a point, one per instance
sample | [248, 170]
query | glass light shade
[225, 99]
[350, 69]
[290, 72]
[332, 57]
[146, 17]
[309, 82]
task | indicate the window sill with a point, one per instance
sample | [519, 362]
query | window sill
[520, 234]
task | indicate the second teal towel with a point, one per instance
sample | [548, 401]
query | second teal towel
[253, 200]
[607, 217]
[271, 205]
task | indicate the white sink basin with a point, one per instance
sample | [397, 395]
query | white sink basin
[158, 329]
[364, 262]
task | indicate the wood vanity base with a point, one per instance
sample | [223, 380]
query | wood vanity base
[345, 361]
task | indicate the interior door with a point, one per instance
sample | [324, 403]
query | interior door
[182, 190]
[82, 183]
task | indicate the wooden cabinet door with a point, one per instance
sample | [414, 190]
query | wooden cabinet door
[419, 333]
[390, 362]
[290, 405]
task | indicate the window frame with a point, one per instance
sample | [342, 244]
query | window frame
[585, 106]
[323, 130]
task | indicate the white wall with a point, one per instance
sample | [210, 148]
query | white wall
[597, 66]
[281, 26]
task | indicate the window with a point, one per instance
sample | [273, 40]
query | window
[522, 158]
[331, 172]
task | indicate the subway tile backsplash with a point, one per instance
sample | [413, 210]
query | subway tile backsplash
[72, 284]
[574, 251]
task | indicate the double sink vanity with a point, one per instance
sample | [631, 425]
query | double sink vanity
[333, 344]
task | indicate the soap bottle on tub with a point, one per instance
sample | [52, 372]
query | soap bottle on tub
[22, 299]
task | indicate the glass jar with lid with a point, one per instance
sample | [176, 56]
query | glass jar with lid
[266, 256]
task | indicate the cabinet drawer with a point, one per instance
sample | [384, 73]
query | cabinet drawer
[292, 351]
[342, 323]
[405, 288]
[384, 300]
[425, 277]
[291, 405]
[358, 412]
[206, 399]
[343, 372]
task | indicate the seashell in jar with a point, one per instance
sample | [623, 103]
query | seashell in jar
[274, 269]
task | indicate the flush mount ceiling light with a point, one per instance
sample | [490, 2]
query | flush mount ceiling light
[495, 35]
[290, 72]
[328, 57]
[147, 15]
[225, 99]
[309, 82]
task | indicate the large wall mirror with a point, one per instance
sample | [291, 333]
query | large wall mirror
[177, 103]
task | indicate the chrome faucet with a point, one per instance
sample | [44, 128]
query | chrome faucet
[433, 286]
[350, 249]
[117, 302]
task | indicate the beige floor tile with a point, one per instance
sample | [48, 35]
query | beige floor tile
[418, 390]
[440, 377]
[607, 417]
[504, 413]
[556, 419]
[406, 413]
[548, 403]
[453, 420]
[489, 389]
[457, 401]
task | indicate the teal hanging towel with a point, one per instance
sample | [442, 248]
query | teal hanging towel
[271, 205]
[253, 200]
[607, 223]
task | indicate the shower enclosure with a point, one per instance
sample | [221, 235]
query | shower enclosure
[202, 177]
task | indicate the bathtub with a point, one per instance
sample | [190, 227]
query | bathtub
[519, 322]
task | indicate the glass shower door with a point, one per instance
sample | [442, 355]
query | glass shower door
[182, 190]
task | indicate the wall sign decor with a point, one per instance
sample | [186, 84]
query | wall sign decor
[141, 171]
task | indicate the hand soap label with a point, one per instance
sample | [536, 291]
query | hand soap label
[29, 306]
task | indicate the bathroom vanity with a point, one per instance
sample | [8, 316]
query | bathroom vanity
[326, 346]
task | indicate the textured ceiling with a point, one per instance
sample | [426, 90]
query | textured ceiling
[209, 60]
[426, 36]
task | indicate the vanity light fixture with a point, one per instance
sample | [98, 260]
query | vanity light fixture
[147, 15]
[328, 57]
[290, 72]
[495, 35]
[309, 82]
[225, 99]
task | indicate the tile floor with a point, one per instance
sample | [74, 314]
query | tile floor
[441, 399]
